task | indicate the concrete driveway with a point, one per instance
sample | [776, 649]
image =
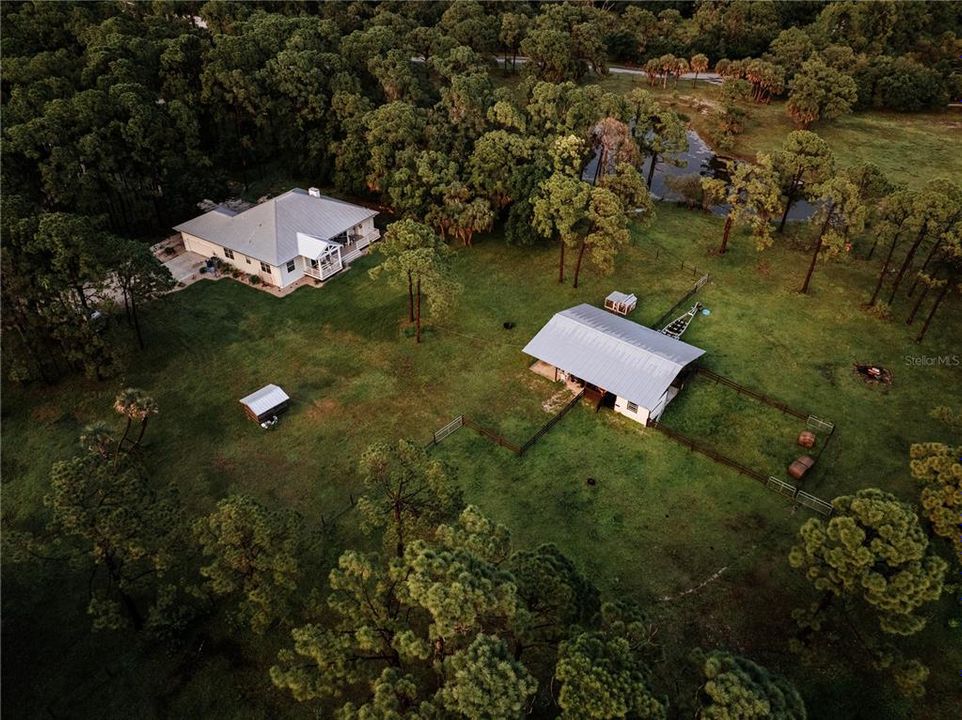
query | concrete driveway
[186, 267]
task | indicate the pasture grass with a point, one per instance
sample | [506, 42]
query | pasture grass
[704, 548]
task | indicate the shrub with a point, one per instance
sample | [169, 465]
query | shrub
[880, 310]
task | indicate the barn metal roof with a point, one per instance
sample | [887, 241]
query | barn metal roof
[265, 399]
[269, 231]
[628, 359]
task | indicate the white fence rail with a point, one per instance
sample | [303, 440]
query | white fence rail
[819, 425]
[781, 487]
[800, 497]
[443, 432]
[813, 503]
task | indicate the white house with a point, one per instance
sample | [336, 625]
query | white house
[285, 238]
[635, 369]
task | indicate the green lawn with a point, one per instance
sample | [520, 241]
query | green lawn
[660, 521]
[740, 427]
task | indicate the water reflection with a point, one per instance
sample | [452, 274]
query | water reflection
[698, 159]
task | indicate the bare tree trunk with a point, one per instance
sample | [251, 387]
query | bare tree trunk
[561, 264]
[818, 249]
[602, 160]
[399, 548]
[410, 298]
[908, 260]
[935, 306]
[581, 254]
[82, 296]
[925, 265]
[729, 221]
[120, 443]
[885, 268]
[133, 311]
[143, 429]
[651, 170]
[127, 307]
[417, 315]
[789, 200]
[918, 303]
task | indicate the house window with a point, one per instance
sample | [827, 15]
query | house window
[290, 266]
[247, 260]
[632, 407]
[265, 267]
[314, 264]
[228, 253]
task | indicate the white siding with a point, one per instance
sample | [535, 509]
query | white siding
[365, 227]
[621, 406]
[247, 265]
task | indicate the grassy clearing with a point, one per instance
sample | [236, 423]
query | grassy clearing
[909, 148]
[749, 432]
[660, 522]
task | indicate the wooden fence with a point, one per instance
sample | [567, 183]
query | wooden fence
[551, 423]
[497, 438]
[492, 435]
[670, 314]
[698, 447]
[761, 397]
[660, 251]
[773, 483]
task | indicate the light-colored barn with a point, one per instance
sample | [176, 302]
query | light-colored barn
[632, 368]
[285, 238]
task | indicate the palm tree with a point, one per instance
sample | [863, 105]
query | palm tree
[134, 404]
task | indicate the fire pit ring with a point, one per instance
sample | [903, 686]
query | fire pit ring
[873, 374]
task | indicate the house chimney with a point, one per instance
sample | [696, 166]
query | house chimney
[313, 192]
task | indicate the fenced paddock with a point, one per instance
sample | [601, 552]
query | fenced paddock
[496, 437]
[747, 430]
[670, 313]
[757, 395]
[771, 482]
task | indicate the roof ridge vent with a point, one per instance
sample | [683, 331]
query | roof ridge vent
[314, 192]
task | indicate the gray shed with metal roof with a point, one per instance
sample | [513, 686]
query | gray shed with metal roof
[641, 367]
[265, 403]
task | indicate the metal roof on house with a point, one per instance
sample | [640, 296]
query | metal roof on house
[621, 356]
[265, 399]
[269, 231]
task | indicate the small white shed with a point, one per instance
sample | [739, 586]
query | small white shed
[621, 303]
[265, 403]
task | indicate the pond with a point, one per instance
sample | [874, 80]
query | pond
[697, 159]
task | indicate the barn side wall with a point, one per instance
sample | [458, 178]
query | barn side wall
[621, 406]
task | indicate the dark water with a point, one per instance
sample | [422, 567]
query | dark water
[697, 159]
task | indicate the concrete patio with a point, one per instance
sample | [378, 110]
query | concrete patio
[185, 267]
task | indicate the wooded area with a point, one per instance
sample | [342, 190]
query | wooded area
[464, 121]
